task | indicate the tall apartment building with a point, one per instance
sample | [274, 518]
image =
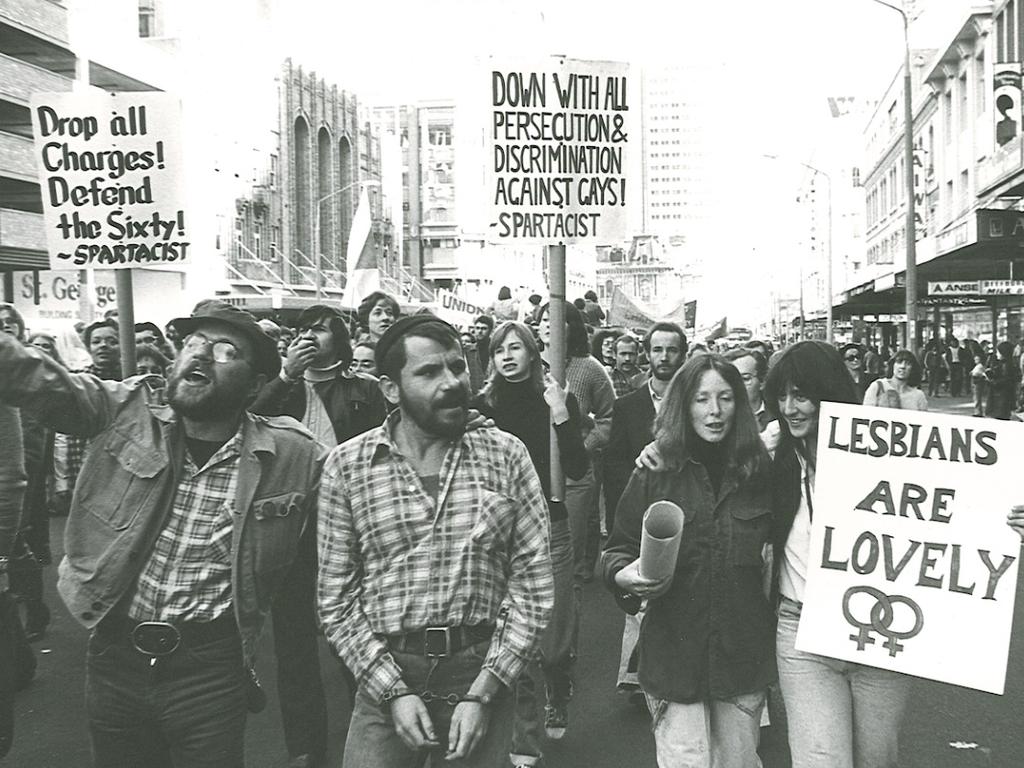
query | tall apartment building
[35, 55]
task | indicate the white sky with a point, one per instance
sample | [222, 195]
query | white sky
[778, 60]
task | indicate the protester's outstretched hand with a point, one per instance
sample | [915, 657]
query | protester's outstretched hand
[413, 723]
[629, 580]
[476, 420]
[650, 458]
[301, 354]
[1016, 519]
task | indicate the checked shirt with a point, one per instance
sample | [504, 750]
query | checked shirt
[188, 575]
[392, 560]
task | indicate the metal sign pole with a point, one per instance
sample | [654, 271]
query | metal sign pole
[126, 320]
[556, 356]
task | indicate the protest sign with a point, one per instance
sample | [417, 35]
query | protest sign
[111, 173]
[453, 309]
[912, 567]
[557, 144]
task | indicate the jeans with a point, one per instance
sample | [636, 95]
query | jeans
[300, 689]
[627, 676]
[841, 714]
[581, 503]
[549, 678]
[187, 710]
[374, 743]
[709, 734]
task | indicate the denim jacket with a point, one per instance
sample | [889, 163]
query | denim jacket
[124, 492]
[712, 634]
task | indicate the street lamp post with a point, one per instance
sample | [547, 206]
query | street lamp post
[828, 252]
[908, 161]
[316, 227]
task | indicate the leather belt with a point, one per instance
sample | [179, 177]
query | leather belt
[162, 638]
[440, 642]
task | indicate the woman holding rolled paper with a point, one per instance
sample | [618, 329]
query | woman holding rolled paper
[707, 642]
[841, 714]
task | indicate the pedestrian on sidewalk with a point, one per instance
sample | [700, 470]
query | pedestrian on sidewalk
[979, 383]
[1002, 377]
[841, 714]
[525, 401]
[706, 646]
[902, 388]
[184, 519]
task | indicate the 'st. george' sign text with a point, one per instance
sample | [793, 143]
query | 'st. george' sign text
[912, 566]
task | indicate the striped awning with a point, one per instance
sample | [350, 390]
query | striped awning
[23, 260]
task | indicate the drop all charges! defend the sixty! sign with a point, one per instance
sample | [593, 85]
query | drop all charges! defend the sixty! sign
[912, 566]
[111, 171]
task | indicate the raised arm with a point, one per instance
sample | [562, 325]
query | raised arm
[73, 403]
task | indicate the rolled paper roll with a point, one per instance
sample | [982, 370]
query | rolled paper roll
[659, 540]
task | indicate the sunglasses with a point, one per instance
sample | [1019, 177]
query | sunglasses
[852, 358]
[222, 351]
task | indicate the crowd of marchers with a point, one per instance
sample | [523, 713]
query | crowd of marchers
[384, 480]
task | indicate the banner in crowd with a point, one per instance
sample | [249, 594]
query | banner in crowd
[1006, 84]
[912, 566]
[112, 178]
[362, 273]
[628, 313]
[453, 309]
[556, 163]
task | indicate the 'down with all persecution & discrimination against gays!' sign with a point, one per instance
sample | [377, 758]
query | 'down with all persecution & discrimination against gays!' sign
[912, 567]
[558, 138]
[112, 179]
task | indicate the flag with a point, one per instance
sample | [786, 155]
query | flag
[361, 258]
[632, 313]
[716, 331]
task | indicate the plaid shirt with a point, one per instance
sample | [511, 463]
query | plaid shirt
[188, 575]
[392, 560]
[623, 383]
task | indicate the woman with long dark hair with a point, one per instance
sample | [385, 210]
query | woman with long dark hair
[706, 645]
[525, 400]
[840, 714]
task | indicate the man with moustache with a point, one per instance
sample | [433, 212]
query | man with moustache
[185, 517]
[435, 579]
[626, 375]
[315, 387]
[632, 429]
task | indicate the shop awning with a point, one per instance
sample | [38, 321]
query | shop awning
[23, 260]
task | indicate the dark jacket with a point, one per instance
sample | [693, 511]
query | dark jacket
[786, 493]
[712, 634]
[632, 429]
[353, 403]
[526, 415]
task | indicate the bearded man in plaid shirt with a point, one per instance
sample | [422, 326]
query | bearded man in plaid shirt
[435, 577]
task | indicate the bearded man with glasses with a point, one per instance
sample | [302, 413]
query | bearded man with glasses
[185, 516]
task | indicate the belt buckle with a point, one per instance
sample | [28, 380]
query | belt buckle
[436, 642]
[155, 638]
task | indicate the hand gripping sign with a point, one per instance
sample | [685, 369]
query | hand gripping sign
[659, 540]
[912, 564]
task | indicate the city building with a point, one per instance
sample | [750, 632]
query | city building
[968, 192]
